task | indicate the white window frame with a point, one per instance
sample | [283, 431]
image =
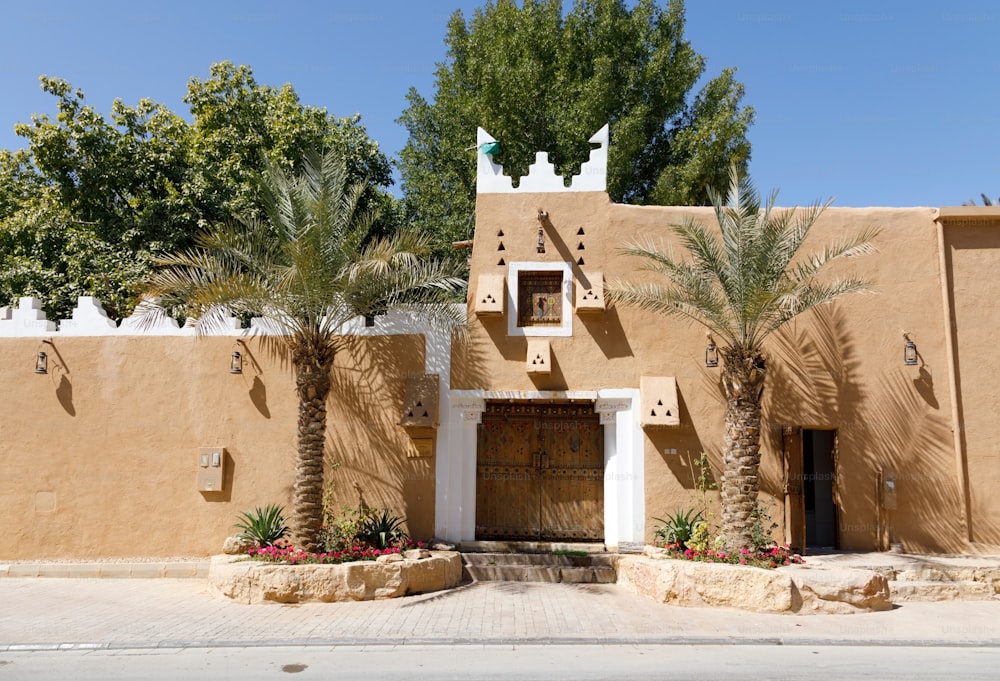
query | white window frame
[514, 270]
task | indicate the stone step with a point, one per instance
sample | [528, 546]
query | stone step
[592, 568]
[539, 559]
[931, 590]
[511, 546]
[596, 574]
[949, 573]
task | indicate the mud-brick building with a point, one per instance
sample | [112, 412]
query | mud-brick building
[559, 418]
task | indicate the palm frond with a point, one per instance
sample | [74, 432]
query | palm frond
[744, 278]
[307, 265]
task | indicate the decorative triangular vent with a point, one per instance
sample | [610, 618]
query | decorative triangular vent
[658, 395]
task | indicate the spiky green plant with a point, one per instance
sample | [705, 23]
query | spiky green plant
[263, 525]
[382, 529]
[678, 528]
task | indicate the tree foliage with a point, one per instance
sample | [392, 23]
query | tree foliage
[539, 80]
[85, 208]
[307, 264]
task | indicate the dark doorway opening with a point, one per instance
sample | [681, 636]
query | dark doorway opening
[819, 487]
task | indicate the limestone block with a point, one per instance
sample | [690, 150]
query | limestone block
[835, 591]
[416, 554]
[237, 545]
[934, 591]
[792, 588]
[251, 582]
[368, 581]
[389, 558]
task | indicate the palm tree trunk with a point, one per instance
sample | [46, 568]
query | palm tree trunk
[743, 380]
[312, 383]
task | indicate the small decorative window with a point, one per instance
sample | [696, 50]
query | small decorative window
[540, 299]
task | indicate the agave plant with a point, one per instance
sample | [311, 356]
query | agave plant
[382, 529]
[678, 528]
[263, 525]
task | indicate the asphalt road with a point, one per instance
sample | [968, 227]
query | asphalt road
[548, 662]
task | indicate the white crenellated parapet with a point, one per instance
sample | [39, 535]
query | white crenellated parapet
[149, 319]
[27, 319]
[541, 177]
[89, 319]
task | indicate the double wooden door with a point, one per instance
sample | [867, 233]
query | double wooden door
[540, 473]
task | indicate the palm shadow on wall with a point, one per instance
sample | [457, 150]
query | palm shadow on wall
[368, 383]
[889, 422]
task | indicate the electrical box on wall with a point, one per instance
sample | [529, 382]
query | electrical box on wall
[211, 468]
[658, 399]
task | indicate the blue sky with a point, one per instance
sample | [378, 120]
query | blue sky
[870, 103]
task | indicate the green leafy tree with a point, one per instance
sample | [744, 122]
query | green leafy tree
[91, 201]
[307, 264]
[539, 80]
[742, 281]
[240, 126]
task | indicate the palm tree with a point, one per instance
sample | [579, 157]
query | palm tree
[742, 282]
[987, 201]
[307, 267]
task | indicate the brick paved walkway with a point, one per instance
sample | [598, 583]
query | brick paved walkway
[43, 613]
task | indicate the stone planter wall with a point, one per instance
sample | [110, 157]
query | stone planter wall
[791, 589]
[256, 582]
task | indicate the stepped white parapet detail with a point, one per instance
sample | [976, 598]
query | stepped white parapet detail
[27, 319]
[541, 177]
[89, 319]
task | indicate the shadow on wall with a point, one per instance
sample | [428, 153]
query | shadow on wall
[468, 357]
[680, 447]
[363, 435]
[891, 422]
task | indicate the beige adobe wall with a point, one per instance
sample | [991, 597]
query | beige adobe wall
[838, 368]
[971, 239]
[99, 456]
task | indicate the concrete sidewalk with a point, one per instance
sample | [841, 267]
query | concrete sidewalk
[81, 614]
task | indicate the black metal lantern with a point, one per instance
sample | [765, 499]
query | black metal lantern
[42, 363]
[711, 354]
[909, 351]
[541, 241]
[236, 363]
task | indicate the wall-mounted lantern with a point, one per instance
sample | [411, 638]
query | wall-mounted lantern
[42, 363]
[542, 217]
[711, 353]
[909, 351]
[236, 360]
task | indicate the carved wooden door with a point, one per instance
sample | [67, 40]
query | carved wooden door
[795, 510]
[540, 473]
